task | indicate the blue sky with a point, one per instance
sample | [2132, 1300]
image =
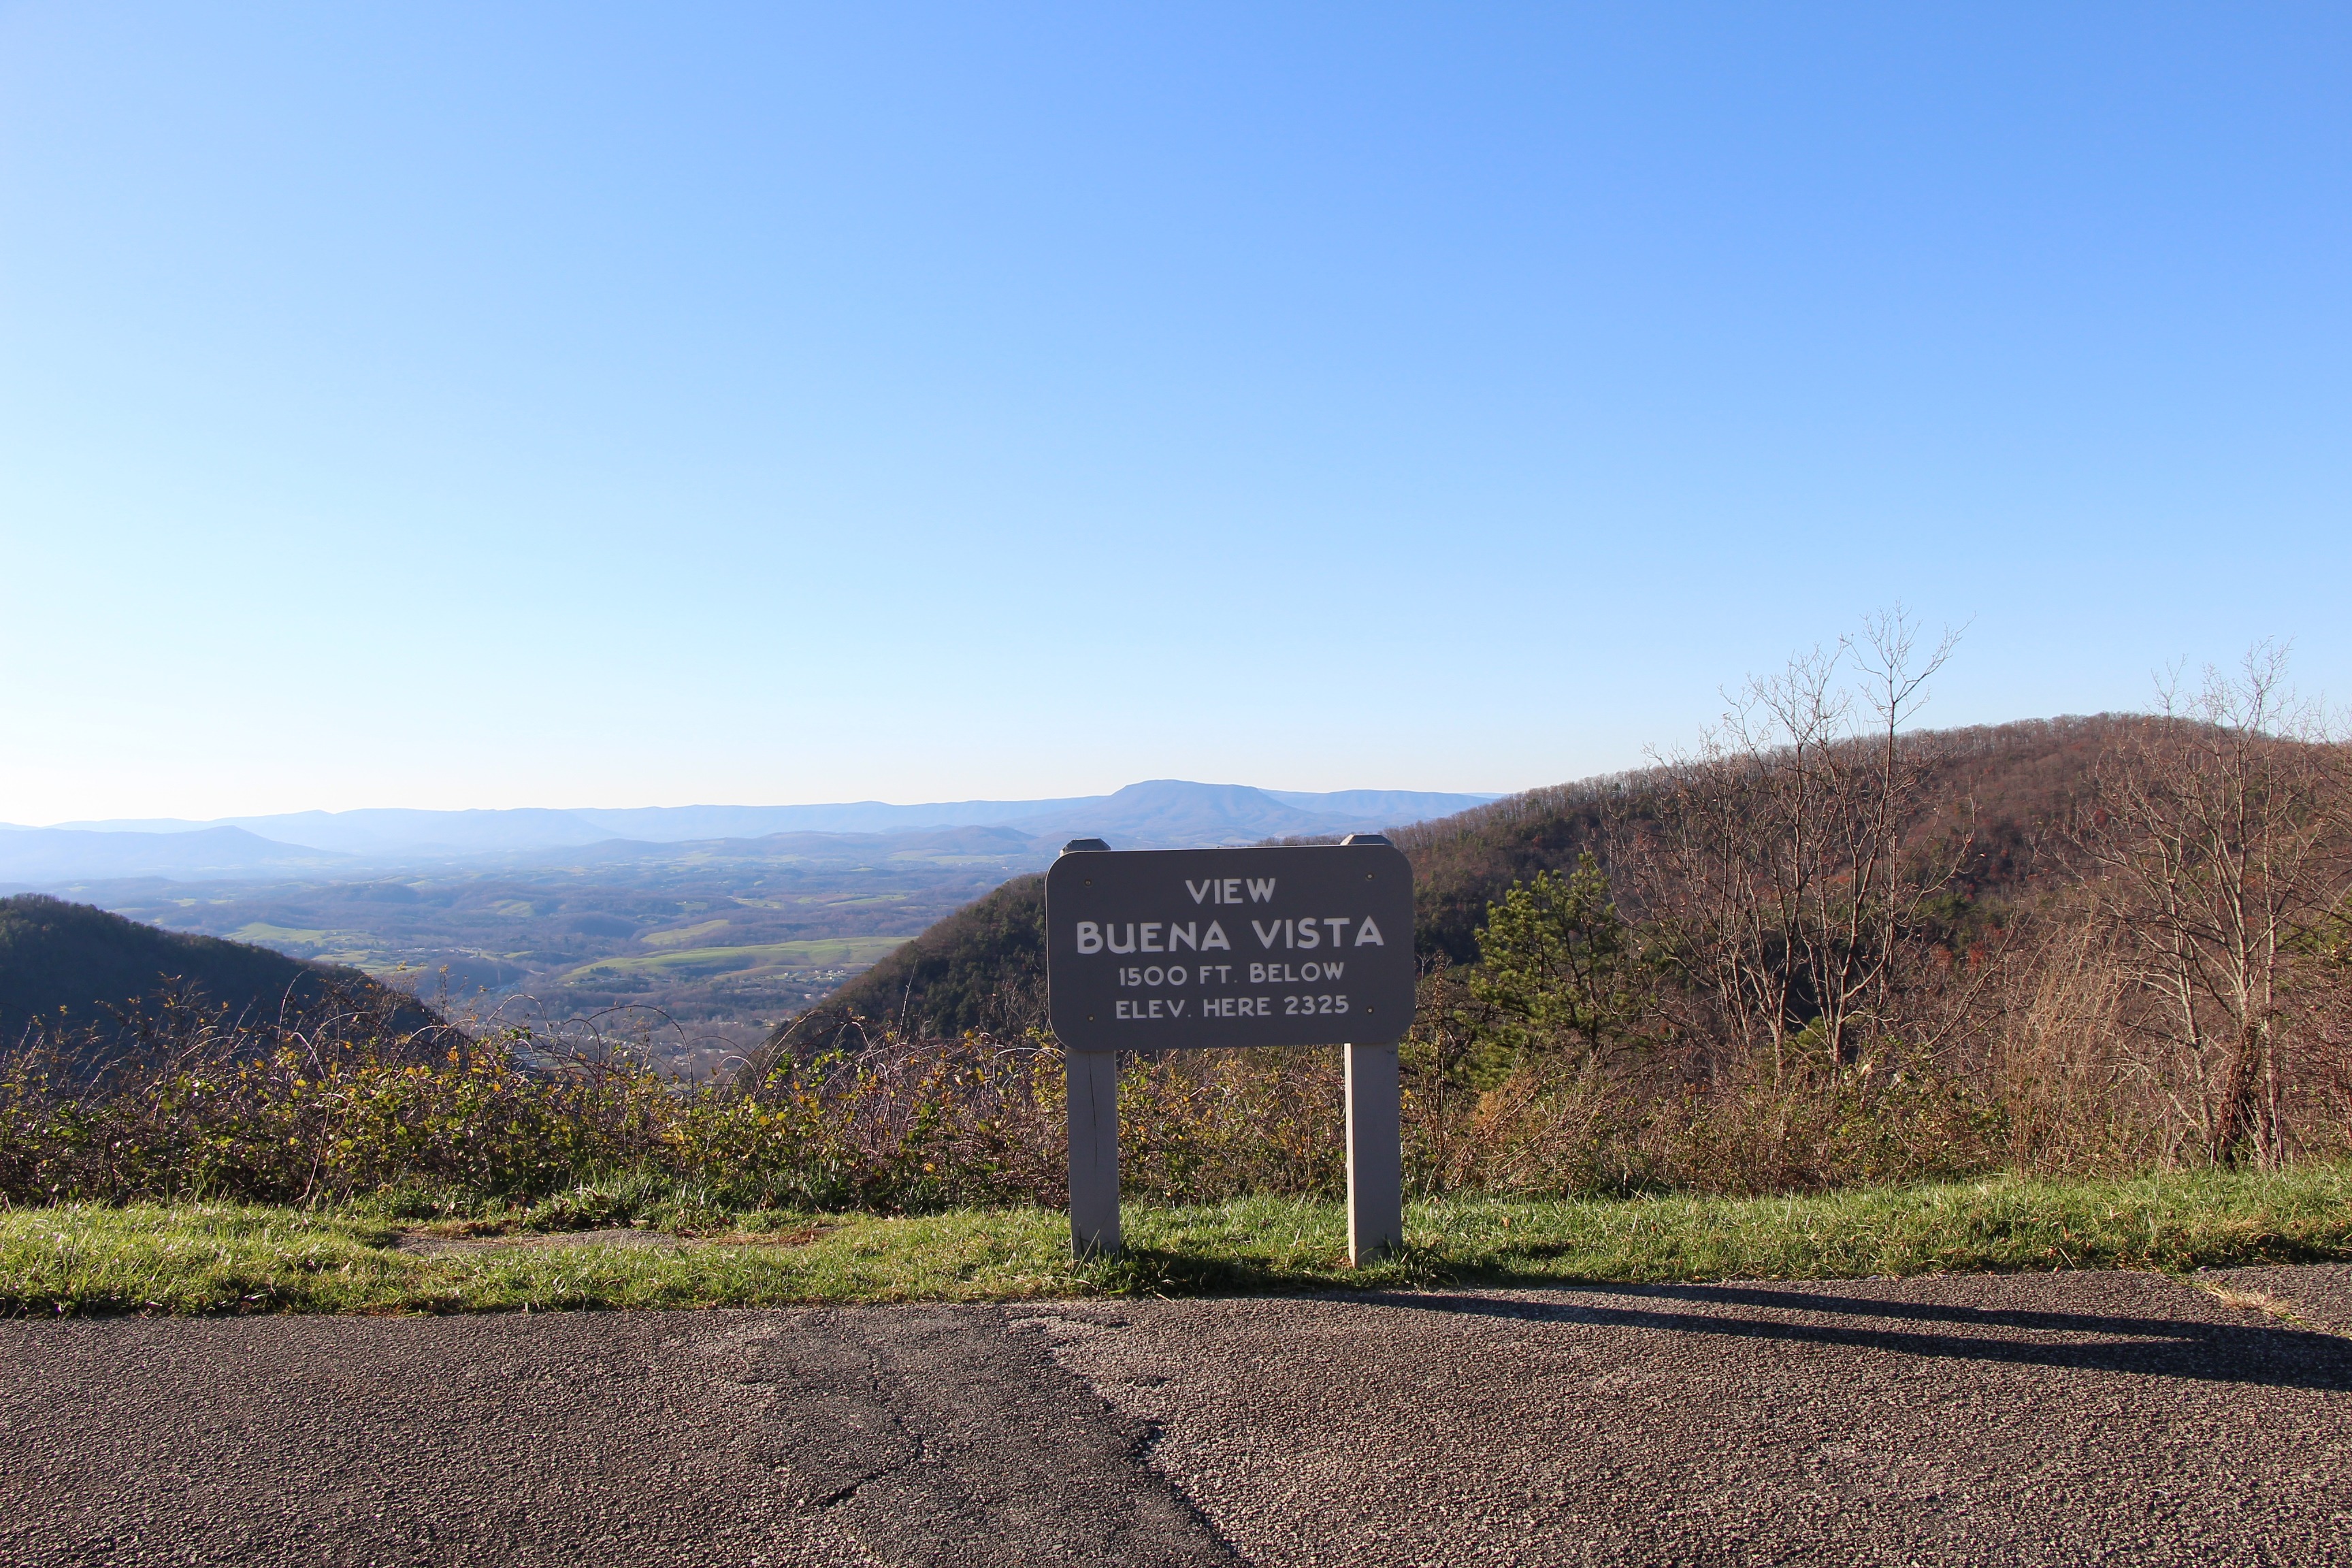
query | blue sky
[491, 405]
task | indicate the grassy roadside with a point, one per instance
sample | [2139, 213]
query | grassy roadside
[209, 1259]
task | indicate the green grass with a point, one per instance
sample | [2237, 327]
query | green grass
[200, 1258]
[222, 1257]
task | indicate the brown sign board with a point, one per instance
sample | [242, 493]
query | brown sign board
[1160, 949]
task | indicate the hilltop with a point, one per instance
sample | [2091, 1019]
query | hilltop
[1998, 789]
[81, 961]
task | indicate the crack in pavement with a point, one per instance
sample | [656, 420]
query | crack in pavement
[951, 1436]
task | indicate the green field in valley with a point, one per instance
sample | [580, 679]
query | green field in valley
[823, 953]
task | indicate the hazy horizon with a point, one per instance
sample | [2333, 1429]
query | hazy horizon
[135, 823]
[328, 846]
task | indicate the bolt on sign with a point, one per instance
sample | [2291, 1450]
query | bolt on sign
[1154, 950]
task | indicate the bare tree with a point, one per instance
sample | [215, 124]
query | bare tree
[1783, 852]
[2217, 830]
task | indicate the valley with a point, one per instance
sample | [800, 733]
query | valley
[697, 949]
[694, 948]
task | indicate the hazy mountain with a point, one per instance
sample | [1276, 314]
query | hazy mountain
[385, 833]
[1171, 813]
[379, 834]
[1160, 812]
[672, 824]
[39, 856]
[821, 848]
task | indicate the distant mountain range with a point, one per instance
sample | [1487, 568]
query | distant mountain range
[42, 857]
[1157, 813]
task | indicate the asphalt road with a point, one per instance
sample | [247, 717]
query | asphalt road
[2069, 1418]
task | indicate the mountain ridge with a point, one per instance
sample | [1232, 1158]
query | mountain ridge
[42, 855]
[1155, 813]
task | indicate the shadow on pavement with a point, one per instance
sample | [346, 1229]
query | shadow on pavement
[2156, 1347]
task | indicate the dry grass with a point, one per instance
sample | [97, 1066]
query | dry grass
[2261, 1301]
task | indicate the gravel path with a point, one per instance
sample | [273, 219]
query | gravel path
[2086, 1417]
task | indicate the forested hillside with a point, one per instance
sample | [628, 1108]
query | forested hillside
[981, 968]
[1819, 949]
[1991, 797]
[56, 956]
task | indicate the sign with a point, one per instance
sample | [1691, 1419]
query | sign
[1148, 950]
